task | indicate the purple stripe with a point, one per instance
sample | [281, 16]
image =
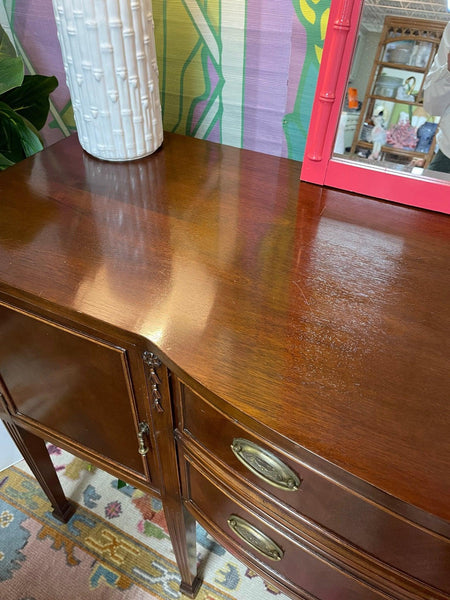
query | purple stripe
[268, 53]
[298, 53]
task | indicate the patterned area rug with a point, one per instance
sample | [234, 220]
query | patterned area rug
[116, 545]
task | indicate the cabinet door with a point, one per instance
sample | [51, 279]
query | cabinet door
[70, 384]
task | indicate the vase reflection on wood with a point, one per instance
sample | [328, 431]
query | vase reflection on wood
[109, 56]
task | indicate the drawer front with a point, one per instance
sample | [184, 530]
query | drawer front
[260, 543]
[367, 526]
[70, 384]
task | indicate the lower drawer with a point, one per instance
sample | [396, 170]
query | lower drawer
[362, 522]
[293, 566]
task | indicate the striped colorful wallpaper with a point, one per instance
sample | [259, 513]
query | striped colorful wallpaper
[240, 72]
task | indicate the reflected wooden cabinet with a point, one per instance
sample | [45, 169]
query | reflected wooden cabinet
[302, 420]
[404, 55]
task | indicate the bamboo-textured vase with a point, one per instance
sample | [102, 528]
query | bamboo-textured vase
[109, 55]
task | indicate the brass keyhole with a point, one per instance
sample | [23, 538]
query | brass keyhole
[143, 431]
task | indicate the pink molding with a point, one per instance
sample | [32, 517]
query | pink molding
[319, 166]
[339, 26]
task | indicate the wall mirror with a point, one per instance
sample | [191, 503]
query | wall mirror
[375, 59]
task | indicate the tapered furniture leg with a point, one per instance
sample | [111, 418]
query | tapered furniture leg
[36, 456]
[182, 532]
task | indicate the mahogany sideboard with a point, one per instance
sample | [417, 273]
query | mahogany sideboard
[268, 357]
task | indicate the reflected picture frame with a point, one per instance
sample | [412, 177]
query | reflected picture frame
[320, 166]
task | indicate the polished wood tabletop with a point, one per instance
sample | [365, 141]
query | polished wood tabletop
[323, 316]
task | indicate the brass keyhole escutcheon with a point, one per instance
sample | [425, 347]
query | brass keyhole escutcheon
[142, 433]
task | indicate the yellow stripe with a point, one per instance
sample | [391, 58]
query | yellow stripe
[307, 11]
[318, 53]
[324, 23]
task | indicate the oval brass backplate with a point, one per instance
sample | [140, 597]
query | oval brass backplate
[256, 539]
[265, 465]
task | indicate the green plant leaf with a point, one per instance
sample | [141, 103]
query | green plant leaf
[6, 47]
[11, 73]
[11, 65]
[10, 143]
[33, 129]
[5, 162]
[17, 139]
[30, 100]
[24, 106]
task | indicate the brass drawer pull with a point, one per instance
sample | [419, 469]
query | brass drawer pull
[254, 538]
[265, 465]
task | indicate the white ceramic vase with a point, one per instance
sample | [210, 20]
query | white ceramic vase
[109, 56]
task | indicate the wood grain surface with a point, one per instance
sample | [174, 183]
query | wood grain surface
[320, 315]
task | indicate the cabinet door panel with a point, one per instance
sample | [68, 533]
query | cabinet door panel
[71, 384]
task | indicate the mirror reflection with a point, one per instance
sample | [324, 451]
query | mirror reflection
[385, 122]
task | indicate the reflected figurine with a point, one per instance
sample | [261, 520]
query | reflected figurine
[377, 135]
[437, 101]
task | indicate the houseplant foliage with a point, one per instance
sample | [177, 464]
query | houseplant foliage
[24, 106]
